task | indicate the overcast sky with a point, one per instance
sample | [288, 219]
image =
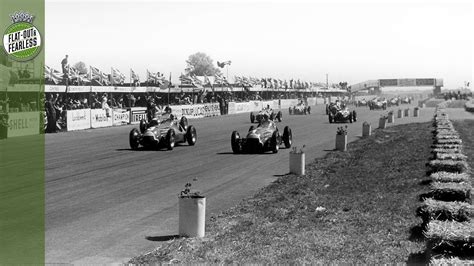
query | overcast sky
[353, 41]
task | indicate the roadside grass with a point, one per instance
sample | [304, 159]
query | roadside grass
[456, 104]
[351, 207]
[433, 102]
[465, 129]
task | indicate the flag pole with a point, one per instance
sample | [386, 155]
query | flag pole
[130, 91]
[169, 89]
[90, 90]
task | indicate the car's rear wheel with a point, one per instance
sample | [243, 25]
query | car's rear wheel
[143, 126]
[170, 140]
[289, 110]
[252, 117]
[275, 145]
[330, 119]
[235, 142]
[354, 116]
[191, 135]
[309, 110]
[350, 117]
[287, 137]
[134, 139]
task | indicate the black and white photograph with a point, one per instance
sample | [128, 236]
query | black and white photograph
[248, 132]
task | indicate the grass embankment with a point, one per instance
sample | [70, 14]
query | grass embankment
[465, 129]
[356, 206]
[456, 104]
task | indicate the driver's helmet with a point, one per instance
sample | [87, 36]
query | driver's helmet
[266, 117]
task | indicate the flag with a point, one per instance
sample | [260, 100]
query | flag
[117, 76]
[98, 76]
[223, 64]
[185, 79]
[134, 76]
[74, 74]
[52, 74]
[155, 77]
[197, 82]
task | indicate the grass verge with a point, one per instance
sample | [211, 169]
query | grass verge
[355, 207]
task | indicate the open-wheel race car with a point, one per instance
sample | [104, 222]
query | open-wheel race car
[258, 117]
[341, 114]
[406, 100]
[164, 132]
[362, 102]
[378, 104]
[265, 137]
[299, 109]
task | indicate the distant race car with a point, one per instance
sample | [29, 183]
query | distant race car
[394, 102]
[265, 137]
[258, 117]
[406, 100]
[362, 102]
[299, 109]
[378, 104]
[162, 133]
[341, 114]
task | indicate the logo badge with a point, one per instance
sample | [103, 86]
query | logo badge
[22, 40]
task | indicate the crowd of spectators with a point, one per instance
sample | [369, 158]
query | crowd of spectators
[456, 95]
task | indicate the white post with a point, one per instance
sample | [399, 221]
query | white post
[192, 216]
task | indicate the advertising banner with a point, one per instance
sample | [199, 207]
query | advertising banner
[23, 124]
[54, 88]
[137, 114]
[100, 118]
[120, 117]
[78, 119]
[197, 110]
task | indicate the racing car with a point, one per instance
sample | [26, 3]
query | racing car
[266, 111]
[406, 100]
[337, 114]
[162, 133]
[378, 104]
[299, 109]
[265, 137]
[362, 102]
[394, 102]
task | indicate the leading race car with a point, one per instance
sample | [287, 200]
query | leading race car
[341, 114]
[299, 109]
[265, 111]
[266, 137]
[164, 132]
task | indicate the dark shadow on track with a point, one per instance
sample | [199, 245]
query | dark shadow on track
[161, 238]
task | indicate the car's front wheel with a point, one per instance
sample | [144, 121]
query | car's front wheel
[287, 137]
[170, 140]
[274, 141]
[134, 139]
[235, 142]
[191, 135]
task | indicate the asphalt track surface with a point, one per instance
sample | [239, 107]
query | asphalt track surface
[106, 203]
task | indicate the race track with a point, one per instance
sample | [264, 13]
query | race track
[106, 203]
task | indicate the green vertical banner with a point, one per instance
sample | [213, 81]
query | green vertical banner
[22, 144]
